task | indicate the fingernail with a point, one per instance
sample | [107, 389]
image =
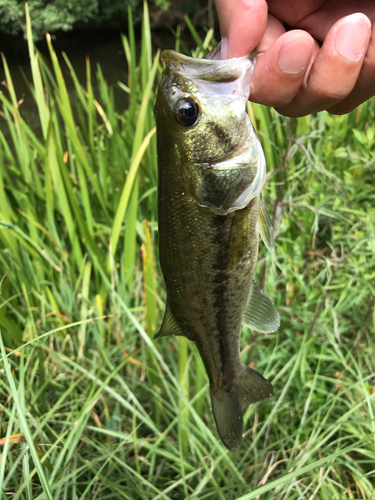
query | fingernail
[294, 57]
[353, 36]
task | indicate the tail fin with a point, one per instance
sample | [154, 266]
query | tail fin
[228, 408]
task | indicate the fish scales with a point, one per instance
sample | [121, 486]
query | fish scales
[208, 227]
[207, 267]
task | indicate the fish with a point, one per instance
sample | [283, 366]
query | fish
[211, 171]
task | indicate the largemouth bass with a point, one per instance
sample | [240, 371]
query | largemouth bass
[211, 172]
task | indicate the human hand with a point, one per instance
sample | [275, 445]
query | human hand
[326, 61]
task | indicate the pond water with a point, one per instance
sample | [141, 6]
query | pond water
[102, 47]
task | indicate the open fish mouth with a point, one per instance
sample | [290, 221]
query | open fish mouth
[210, 61]
[213, 69]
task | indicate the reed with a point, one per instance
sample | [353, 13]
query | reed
[91, 406]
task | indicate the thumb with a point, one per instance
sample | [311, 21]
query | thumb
[242, 24]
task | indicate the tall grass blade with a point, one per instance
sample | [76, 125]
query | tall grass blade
[24, 426]
[117, 415]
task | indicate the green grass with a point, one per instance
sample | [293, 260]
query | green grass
[105, 412]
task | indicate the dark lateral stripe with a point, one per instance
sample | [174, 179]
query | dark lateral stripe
[220, 270]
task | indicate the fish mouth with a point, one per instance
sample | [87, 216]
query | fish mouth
[209, 60]
[215, 53]
[211, 68]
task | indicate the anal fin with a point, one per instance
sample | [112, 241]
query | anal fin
[261, 314]
[169, 326]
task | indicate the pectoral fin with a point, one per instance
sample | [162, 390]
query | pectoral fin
[261, 315]
[265, 227]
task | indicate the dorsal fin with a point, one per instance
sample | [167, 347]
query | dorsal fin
[265, 227]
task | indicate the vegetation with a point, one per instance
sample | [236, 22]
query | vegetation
[53, 15]
[92, 407]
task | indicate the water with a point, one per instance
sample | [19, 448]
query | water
[102, 47]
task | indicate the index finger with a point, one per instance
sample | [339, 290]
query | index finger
[242, 25]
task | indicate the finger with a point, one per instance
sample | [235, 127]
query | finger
[283, 59]
[274, 29]
[365, 86]
[242, 24]
[319, 21]
[335, 69]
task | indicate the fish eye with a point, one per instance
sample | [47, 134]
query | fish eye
[186, 112]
